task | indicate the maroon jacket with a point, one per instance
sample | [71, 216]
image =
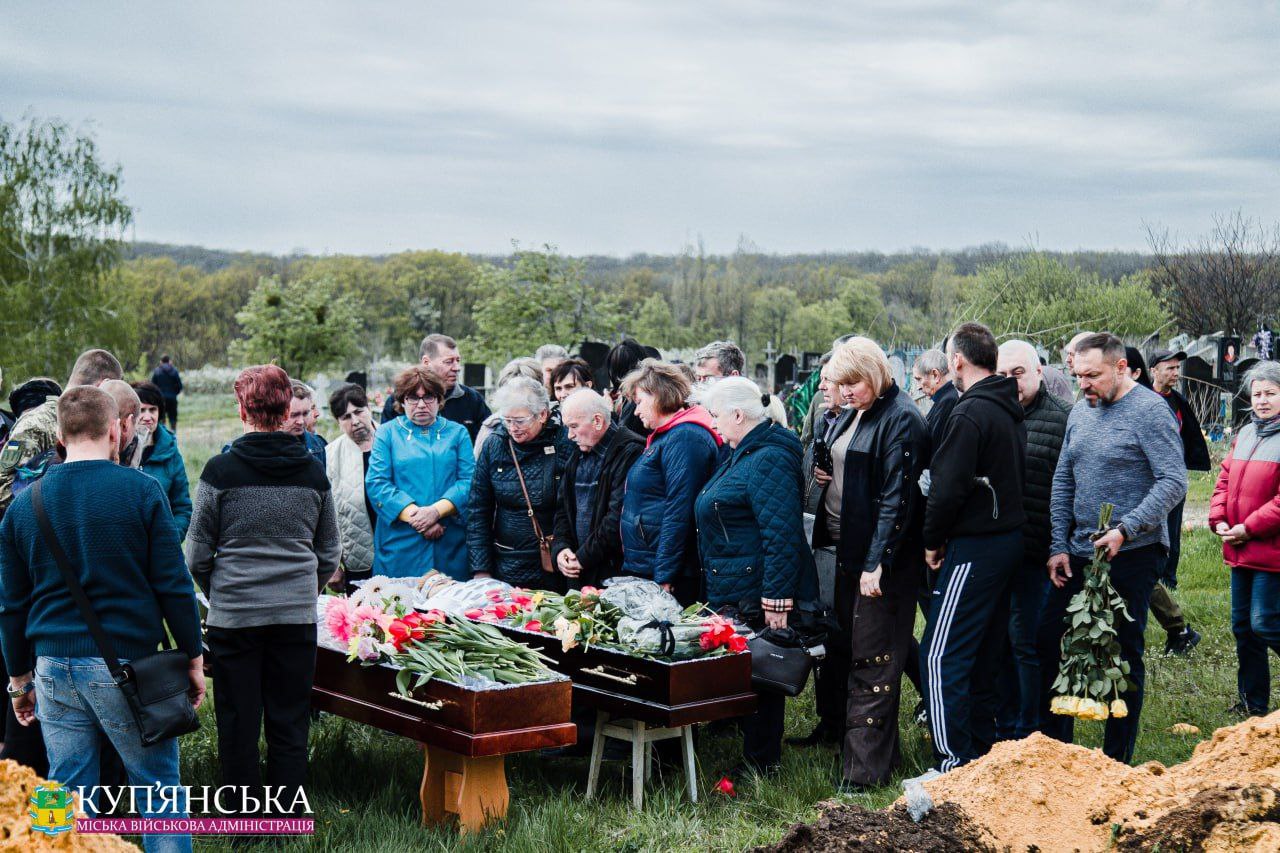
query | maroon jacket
[1248, 492]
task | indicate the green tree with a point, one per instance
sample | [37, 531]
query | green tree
[303, 326]
[770, 318]
[62, 222]
[654, 324]
[813, 327]
[543, 299]
[1041, 299]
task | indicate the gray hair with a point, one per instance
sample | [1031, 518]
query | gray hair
[931, 360]
[432, 344]
[527, 367]
[588, 402]
[1021, 349]
[726, 353]
[521, 392]
[1263, 371]
[547, 351]
[736, 392]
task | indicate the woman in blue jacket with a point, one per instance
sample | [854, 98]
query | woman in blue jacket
[419, 477]
[756, 563]
[659, 541]
[161, 458]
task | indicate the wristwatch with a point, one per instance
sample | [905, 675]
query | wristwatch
[1124, 531]
[19, 692]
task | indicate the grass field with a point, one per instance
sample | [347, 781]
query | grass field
[364, 783]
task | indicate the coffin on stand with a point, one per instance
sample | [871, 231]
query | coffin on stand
[658, 692]
[465, 731]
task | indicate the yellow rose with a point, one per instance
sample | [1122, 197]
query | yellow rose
[567, 632]
[1119, 709]
[1060, 705]
[1092, 709]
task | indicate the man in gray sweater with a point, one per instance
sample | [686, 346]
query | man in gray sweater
[1121, 447]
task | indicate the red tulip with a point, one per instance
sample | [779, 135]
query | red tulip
[737, 643]
[473, 613]
[725, 786]
[399, 633]
[533, 625]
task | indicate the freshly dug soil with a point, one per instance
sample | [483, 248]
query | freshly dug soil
[852, 827]
[1042, 793]
[1247, 817]
[16, 836]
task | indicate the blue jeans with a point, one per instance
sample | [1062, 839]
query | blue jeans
[76, 700]
[1255, 621]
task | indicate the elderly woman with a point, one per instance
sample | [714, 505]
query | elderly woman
[347, 460]
[659, 541]
[511, 518]
[419, 478]
[756, 562]
[1245, 513]
[872, 514]
[525, 366]
[161, 457]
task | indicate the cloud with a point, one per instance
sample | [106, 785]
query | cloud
[615, 127]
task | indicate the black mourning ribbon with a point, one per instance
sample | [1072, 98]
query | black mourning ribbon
[668, 645]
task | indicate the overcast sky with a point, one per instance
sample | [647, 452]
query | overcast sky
[617, 127]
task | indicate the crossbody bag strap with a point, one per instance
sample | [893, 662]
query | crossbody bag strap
[100, 637]
[537, 528]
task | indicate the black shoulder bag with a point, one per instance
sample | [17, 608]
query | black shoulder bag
[155, 686]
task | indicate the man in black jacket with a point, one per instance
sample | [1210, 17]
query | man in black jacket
[1046, 422]
[588, 537]
[462, 405]
[973, 537]
[1166, 369]
[935, 380]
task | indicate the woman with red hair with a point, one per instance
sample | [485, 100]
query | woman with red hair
[263, 541]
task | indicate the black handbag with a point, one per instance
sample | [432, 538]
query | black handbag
[780, 661]
[155, 686]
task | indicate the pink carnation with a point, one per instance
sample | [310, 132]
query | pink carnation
[338, 619]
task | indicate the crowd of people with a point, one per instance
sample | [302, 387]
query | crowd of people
[978, 505]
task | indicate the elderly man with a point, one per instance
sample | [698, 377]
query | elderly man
[462, 405]
[588, 543]
[1045, 417]
[1166, 370]
[300, 418]
[1121, 447]
[717, 360]
[935, 380]
[549, 357]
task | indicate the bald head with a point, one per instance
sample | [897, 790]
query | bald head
[587, 416]
[127, 404]
[1019, 361]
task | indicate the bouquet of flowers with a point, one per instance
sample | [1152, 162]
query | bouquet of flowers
[634, 616]
[380, 625]
[1092, 675]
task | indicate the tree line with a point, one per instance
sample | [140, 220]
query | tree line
[69, 277]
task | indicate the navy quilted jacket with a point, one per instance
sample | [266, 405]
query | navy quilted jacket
[658, 539]
[750, 527]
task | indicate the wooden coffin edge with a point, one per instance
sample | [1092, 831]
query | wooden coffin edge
[444, 737]
[669, 716]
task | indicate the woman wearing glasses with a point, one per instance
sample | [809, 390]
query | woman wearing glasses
[418, 481]
[511, 513]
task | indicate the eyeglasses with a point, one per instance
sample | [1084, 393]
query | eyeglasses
[519, 422]
[410, 402]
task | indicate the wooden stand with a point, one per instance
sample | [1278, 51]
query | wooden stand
[474, 789]
[642, 740]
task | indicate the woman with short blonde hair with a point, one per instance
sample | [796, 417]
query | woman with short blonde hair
[861, 360]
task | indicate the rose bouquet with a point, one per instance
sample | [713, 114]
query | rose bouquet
[1092, 675]
[378, 626]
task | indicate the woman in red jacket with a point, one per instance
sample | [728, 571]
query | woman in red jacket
[1245, 513]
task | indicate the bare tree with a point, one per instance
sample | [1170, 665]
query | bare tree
[1227, 281]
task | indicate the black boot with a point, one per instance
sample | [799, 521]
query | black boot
[820, 736]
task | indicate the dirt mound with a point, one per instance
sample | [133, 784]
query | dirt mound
[1041, 794]
[851, 827]
[1231, 818]
[16, 786]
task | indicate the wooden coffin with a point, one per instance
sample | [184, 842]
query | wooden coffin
[470, 722]
[662, 693]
